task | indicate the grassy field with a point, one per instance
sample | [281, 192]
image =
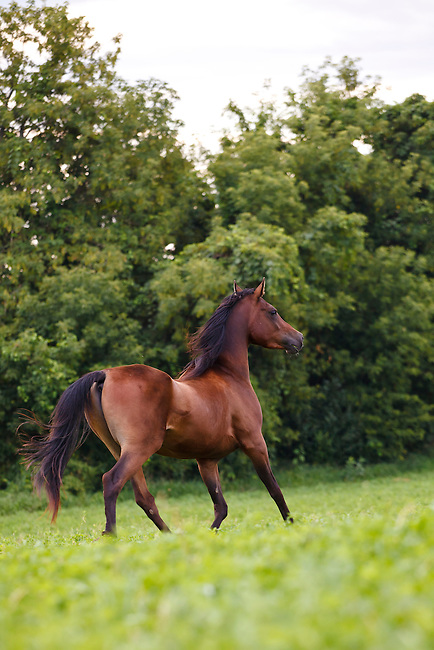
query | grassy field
[356, 570]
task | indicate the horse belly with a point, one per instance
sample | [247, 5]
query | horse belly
[202, 431]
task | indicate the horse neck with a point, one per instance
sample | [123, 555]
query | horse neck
[234, 355]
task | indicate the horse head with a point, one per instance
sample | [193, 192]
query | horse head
[266, 327]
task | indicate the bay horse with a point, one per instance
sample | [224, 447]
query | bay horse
[206, 413]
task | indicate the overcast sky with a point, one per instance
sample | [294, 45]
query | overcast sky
[211, 52]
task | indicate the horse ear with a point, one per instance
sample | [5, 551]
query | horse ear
[237, 289]
[260, 289]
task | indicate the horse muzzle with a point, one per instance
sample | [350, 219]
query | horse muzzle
[293, 345]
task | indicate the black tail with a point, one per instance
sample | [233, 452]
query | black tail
[51, 453]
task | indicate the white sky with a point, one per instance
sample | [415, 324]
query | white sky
[211, 52]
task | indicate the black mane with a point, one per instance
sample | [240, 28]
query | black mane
[206, 344]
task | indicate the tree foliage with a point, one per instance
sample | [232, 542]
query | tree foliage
[93, 187]
[114, 246]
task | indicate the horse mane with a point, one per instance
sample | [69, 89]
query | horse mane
[206, 344]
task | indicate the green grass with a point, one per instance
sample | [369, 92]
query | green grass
[356, 570]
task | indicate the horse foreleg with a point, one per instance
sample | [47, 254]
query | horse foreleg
[146, 501]
[259, 457]
[210, 475]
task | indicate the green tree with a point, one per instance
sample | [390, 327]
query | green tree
[86, 158]
[328, 119]
[334, 113]
[93, 186]
[400, 199]
[254, 176]
[354, 213]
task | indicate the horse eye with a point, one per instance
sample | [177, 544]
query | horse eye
[273, 312]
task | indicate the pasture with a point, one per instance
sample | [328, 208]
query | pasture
[355, 570]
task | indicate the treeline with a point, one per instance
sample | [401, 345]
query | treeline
[115, 244]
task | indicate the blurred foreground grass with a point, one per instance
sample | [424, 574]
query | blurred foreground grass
[356, 570]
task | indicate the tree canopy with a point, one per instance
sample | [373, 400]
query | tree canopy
[114, 245]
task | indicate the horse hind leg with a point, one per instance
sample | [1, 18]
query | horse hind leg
[113, 481]
[210, 475]
[135, 402]
[146, 501]
[129, 464]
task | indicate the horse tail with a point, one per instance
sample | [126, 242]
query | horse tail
[50, 453]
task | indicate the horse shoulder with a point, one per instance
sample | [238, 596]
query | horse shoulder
[202, 393]
[246, 414]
